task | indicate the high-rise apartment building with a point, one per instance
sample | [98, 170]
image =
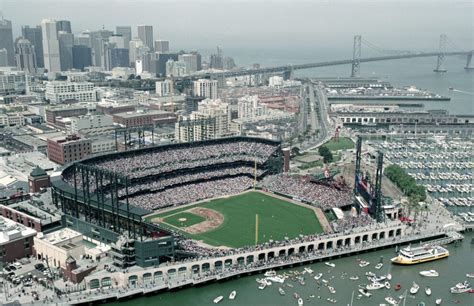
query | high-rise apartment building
[205, 88]
[35, 37]
[6, 40]
[145, 33]
[126, 32]
[164, 88]
[249, 107]
[162, 46]
[66, 42]
[25, 56]
[50, 45]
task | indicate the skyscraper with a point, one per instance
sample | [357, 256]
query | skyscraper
[3, 57]
[6, 40]
[145, 33]
[162, 46]
[192, 60]
[83, 39]
[81, 57]
[25, 56]
[98, 41]
[66, 42]
[63, 25]
[50, 45]
[126, 32]
[136, 50]
[35, 37]
[117, 57]
[118, 40]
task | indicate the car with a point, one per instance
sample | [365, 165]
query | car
[7, 269]
[39, 266]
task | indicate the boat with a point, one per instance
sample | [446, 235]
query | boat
[276, 279]
[301, 281]
[379, 266]
[410, 256]
[262, 286]
[218, 299]
[330, 264]
[391, 300]
[354, 278]
[296, 295]
[375, 286]
[414, 288]
[318, 276]
[232, 295]
[461, 287]
[438, 301]
[267, 282]
[331, 289]
[365, 293]
[309, 270]
[429, 273]
[290, 285]
[300, 302]
[270, 273]
[387, 285]
[470, 275]
[397, 287]
[334, 301]
[389, 276]
[281, 291]
[428, 291]
[450, 88]
[363, 263]
[377, 279]
[324, 281]
[369, 274]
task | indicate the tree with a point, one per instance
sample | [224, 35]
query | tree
[326, 154]
[295, 151]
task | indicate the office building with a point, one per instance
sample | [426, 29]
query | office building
[118, 41]
[63, 112]
[164, 88]
[217, 60]
[89, 121]
[126, 32]
[12, 82]
[162, 46]
[192, 61]
[98, 42]
[66, 42]
[66, 149]
[16, 240]
[81, 57]
[136, 50]
[117, 57]
[64, 25]
[6, 40]
[35, 37]
[3, 57]
[83, 39]
[158, 62]
[151, 117]
[205, 88]
[145, 33]
[175, 68]
[25, 56]
[50, 45]
[59, 91]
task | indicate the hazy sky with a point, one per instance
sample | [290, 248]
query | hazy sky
[263, 25]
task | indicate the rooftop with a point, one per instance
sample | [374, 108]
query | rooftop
[143, 113]
[11, 231]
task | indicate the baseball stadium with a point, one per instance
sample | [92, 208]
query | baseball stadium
[174, 201]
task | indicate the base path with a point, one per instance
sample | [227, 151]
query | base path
[214, 219]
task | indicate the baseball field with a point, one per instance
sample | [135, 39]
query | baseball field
[236, 221]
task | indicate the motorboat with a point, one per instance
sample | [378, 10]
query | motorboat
[428, 291]
[410, 256]
[414, 288]
[377, 279]
[218, 299]
[391, 300]
[309, 270]
[330, 264]
[296, 295]
[438, 301]
[389, 276]
[300, 302]
[276, 279]
[301, 281]
[397, 287]
[375, 286]
[369, 274]
[387, 285]
[379, 266]
[470, 275]
[334, 301]
[363, 263]
[262, 286]
[331, 289]
[461, 287]
[318, 276]
[324, 281]
[290, 285]
[365, 293]
[270, 273]
[429, 273]
[232, 295]
[281, 291]
[354, 278]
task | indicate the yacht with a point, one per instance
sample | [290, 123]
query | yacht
[414, 288]
[276, 279]
[410, 256]
[461, 287]
[318, 276]
[218, 299]
[391, 300]
[331, 289]
[270, 273]
[354, 278]
[428, 291]
[375, 286]
[378, 266]
[363, 263]
[262, 286]
[429, 273]
[232, 295]
[330, 264]
[281, 291]
[365, 293]
[300, 302]
[309, 270]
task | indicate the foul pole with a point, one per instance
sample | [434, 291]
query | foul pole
[256, 229]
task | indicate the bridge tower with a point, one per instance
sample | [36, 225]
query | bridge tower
[469, 64]
[378, 210]
[441, 57]
[356, 54]
[288, 74]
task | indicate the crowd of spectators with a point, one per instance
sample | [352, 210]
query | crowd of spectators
[322, 196]
[350, 222]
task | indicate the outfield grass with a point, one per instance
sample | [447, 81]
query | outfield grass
[191, 219]
[277, 219]
[344, 143]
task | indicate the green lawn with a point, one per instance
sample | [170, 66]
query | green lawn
[277, 219]
[191, 219]
[343, 144]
